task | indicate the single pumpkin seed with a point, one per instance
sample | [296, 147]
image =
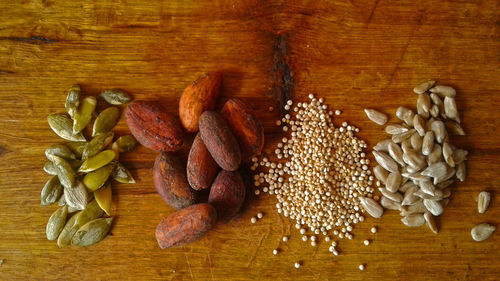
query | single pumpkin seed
[394, 196]
[396, 153]
[97, 144]
[60, 150]
[439, 130]
[77, 147]
[49, 168]
[413, 220]
[95, 179]
[91, 212]
[393, 182]
[72, 100]
[376, 116]
[106, 120]
[483, 201]
[62, 126]
[122, 174]
[423, 87]
[436, 154]
[385, 161]
[97, 161]
[77, 196]
[396, 129]
[371, 206]
[115, 97]
[56, 223]
[382, 145]
[482, 232]
[419, 124]
[454, 128]
[389, 204]
[448, 154]
[92, 232]
[64, 170]
[435, 170]
[68, 231]
[433, 206]
[428, 143]
[461, 171]
[103, 197]
[431, 223]
[84, 114]
[115, 148]
[398, 138]
[443, 91]
[51, 191]
[380, 173]
[416, 141]
[126, 143]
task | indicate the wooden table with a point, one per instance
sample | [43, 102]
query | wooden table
[355, 54]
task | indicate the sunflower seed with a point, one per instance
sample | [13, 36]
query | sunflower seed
[434, 111]
[382, 145]
[380, 173]
[459, 155]
[482, 232]
[376, 116]
[49, 168]
[436, 154]
[433, 206]
[406, 186]
[77, 147]
[448, 154]
[413, 220]
[423, 87]
[428, 143]
[115, 97]
[84, 114]
[51, 191]
[416, 141]
[427, 187]
[409, 198]
[413, 159]
[72, 100]
[483, 201]
[126, 143]
[454, 128]
[385, 161]
[103, 197]
[415, 176]
[416, 208]
[106, 120]
[461, 171]
[91, 212]
[371, 206]
[395, 129]
[122, 174]
[431, 223]
[439, 131]
[389, 204]
[419, 124]
[64, 170]
[406, 145]
[394, 196]
[438, 195]
[408, 170]
[428, 124]
[444, 91]
[56, 223]
[95, 179]
[97, 144]
[423, 105]
[92, 232]
[95, 162]
[450, 108]
[444, 184]
[398, 138]
[396, 153]
[62, 126]
[446, 193]
[393, 182]
[435, 170]
[77, 196]
[449, 174]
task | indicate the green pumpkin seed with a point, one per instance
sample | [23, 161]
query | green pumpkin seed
[64, 170]
[97, 161]
[103, 197]
[75, 163]
[56, 223]
[51, 191]
[49, 168]
[94, 180]
[77, 196]
[92, 232]
[72, 100]
[97, 144]
[62, 202]
[84, 114]
[126, 143]
[122, 174]
[77, 147]
[115, 148]
[60, 150]
[115, 97]
[91, 212]
[106, 120]
[68, 231]
[63, 127]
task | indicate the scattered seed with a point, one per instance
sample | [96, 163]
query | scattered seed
[275, 252]
[361, 267]
[371, 206]
[483, 201]
[260, 215]
[115, 97]
[482, 232]
[443, 91]
[253, 220]
[423, 87]
[376, 116]
[285, 239]
[373, 230]
[366, 242]
[297, 265]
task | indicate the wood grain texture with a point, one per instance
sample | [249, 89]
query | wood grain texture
[353, 53]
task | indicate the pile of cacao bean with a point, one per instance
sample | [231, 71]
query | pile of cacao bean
[223, 141]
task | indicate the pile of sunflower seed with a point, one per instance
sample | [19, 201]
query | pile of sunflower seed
[418, 164]
[82, 170]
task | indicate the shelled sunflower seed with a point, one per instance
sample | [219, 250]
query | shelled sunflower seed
[82, 170]
[418, 164]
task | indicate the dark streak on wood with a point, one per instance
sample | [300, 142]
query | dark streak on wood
[36, 40]
[283, 81]
[6, 71]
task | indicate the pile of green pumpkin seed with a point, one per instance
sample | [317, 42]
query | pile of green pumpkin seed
[82, 170]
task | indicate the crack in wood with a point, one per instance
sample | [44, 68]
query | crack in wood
[283, 81]
[36, 40]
